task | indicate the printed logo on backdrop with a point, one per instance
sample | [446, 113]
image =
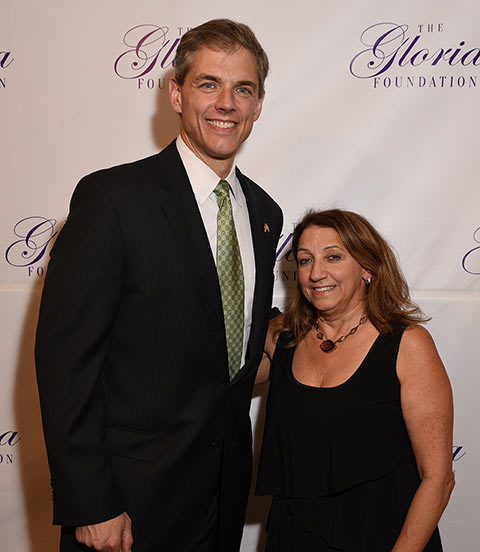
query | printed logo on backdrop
[6, 59]
[458, 452]
[286, 268]
[422, 55]
[150, 51]
[8, 440]
[471, 259]
[33, 235]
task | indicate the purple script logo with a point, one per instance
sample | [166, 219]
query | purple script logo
[471, 259]
[283, 252]
[388, 45]
[5, 60]
[34, 233]
[284, 255]
[8, 439]
[147, 47]
[458, 453]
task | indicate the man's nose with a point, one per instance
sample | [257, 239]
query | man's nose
[225, 100]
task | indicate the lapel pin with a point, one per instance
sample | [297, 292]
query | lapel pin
[265, 227]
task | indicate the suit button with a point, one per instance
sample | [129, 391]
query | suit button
[215, 446]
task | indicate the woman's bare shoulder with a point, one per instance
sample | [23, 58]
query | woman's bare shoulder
[418, 353]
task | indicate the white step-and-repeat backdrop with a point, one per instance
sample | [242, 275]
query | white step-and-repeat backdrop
[371, 106]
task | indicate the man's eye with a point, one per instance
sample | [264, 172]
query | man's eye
[243, 90]
[208, 85]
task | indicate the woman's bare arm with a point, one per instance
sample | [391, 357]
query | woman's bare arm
[427, 407]
[263, 373]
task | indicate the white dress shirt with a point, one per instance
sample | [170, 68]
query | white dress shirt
[204, 182]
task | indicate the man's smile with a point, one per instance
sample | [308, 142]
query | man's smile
[220, 124]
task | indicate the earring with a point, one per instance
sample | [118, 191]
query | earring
[368, 281]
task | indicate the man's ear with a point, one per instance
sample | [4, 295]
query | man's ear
[175, 95]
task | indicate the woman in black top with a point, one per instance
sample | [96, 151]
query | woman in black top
[357, 448]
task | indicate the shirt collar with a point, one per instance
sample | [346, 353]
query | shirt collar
[201, 176]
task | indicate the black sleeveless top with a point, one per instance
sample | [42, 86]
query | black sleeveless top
[341, 455]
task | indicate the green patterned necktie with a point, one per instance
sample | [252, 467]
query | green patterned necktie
[230, 276]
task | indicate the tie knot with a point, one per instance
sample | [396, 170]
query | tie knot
[222, 191]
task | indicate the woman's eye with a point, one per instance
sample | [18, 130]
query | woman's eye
[303, 261]
[333, 257]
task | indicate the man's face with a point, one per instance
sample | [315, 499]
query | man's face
[218, 103]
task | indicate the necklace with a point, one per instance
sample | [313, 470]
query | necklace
[329, 345]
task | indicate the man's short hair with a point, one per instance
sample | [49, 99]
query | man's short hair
[226, 35]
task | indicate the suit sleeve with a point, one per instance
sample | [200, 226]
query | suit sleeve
[82, 291]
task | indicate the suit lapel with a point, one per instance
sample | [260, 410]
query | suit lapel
[181, 210]
[262, 270]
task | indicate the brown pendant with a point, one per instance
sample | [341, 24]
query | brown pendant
[328, 345]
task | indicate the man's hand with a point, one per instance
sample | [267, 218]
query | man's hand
[113, 535]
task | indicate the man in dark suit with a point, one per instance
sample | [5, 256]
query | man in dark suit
[153, 319]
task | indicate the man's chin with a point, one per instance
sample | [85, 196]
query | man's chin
[223, 156]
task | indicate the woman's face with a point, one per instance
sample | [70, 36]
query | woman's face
[329, 277]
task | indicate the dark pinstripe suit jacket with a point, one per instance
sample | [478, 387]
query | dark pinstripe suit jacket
[138, 411]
